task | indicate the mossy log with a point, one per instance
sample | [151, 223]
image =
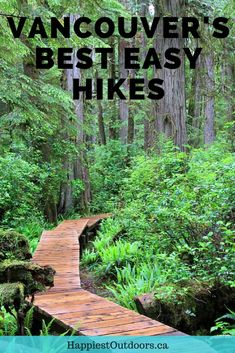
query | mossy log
[147, 305]
[191, 309]
[13, 246]
[11, 294]
[34, 277]
[20, 278]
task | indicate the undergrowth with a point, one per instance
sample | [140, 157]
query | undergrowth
[174, 223]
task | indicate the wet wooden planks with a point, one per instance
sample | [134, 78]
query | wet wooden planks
[59, 248]
[92, 315]
[74, 307]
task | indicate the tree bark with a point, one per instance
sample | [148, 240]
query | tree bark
[101, 126]
[149, 118]
[76, 169]
[131, 121]
[29, 66]
[113, 124]
[228, 84]
[196, 104]
[171, 110]
[209, 128]
[228, 74]
[123, 104]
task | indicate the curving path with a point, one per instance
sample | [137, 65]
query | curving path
[69, 303]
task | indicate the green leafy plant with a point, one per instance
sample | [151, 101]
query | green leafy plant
[8, 324]
[132, 281]
[89, 257]
[116, 256]
[225, 324]
[109, 230]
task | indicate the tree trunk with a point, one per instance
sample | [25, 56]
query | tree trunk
[196, 104]
[123, 104]
[101, 124]
[147, 118]
[228, 84]
[228, 74]
[209, 128]
[171, 110]
[77, 169]
[131, 121]
[102, 135]
[198, 97]
[113, 124]
[50, 208]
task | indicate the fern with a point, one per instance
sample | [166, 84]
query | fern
[29, 320]
[45, 331]
[8, 324]
[224, 327]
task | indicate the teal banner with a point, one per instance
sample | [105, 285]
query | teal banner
[161, 344]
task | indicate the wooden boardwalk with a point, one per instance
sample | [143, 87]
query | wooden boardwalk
[74, 307]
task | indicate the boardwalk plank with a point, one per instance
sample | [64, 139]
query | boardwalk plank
[69, 304]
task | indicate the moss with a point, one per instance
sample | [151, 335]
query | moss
[19, 278]
[11, 293]
[13, 246]
[189, 306]
[34, 277]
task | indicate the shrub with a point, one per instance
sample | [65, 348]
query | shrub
[117, 255]
[133, 281]
[107, 171]
[20, 190]
[179, 208]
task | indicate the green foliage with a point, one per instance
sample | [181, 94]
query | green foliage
[32, 229]
[107, 170]
[89, 257]
[109, 230]
[45, 331]
[20, 190]
[225, 324]
[132, 281]
[28, 322]
[117, 256]
[8, 324]
[178, 210]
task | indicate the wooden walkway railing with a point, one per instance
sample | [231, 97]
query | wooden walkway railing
[74, 307]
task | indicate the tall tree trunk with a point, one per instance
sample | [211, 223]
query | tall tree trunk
[101, 126]
[131, 121]
[66, 193]
[196, 104]
[123, 104]
[228, 84]
[29, 66]
[150, 114]
[228, 74]
[113, 124]
[171, 110]
[124, 114]
[77, 169]
[209, 127]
